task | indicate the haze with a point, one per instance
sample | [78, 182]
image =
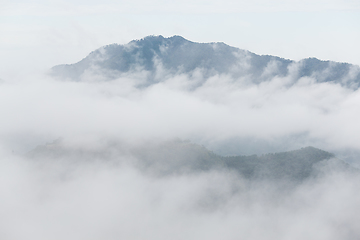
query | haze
[74, 155]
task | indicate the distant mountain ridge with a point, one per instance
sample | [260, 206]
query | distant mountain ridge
[182, 157]
[158, 57]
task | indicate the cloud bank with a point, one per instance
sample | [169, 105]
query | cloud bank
[41, 109]
[96, 199]
[103, 195]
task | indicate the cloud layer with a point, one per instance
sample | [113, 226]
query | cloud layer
[110, 198]
[57, 199]
[220, 109]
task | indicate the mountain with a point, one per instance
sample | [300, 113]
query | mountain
[158, 58]
[182, 157]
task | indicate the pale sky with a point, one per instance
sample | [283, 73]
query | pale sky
[36, 35]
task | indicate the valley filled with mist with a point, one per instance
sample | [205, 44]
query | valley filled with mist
[168, 138]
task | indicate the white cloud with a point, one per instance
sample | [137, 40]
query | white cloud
[98, 200]
[74, 200]
[222, 108]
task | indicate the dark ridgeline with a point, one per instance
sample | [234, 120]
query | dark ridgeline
[182, 157]
[157, 57]
[178, 157]
[295, 165]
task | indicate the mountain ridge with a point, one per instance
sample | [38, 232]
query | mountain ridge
[183, 157]
[159, 57]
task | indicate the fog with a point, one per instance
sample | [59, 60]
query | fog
[96, 199]
[89, 190]
[40, 109]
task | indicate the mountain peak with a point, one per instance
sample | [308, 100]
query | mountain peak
[154, 40]
[159, 57]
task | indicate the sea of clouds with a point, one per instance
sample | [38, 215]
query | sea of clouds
[109, 198]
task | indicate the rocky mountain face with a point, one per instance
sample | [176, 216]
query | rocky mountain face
[155, 58]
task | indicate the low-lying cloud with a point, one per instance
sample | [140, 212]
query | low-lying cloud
[104, 195]
[57, 199]
[217, 110]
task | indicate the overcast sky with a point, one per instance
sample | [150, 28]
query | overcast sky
[36, 35]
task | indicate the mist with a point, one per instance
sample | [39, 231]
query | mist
[280, 114]
[94, 196]
[72, 156]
